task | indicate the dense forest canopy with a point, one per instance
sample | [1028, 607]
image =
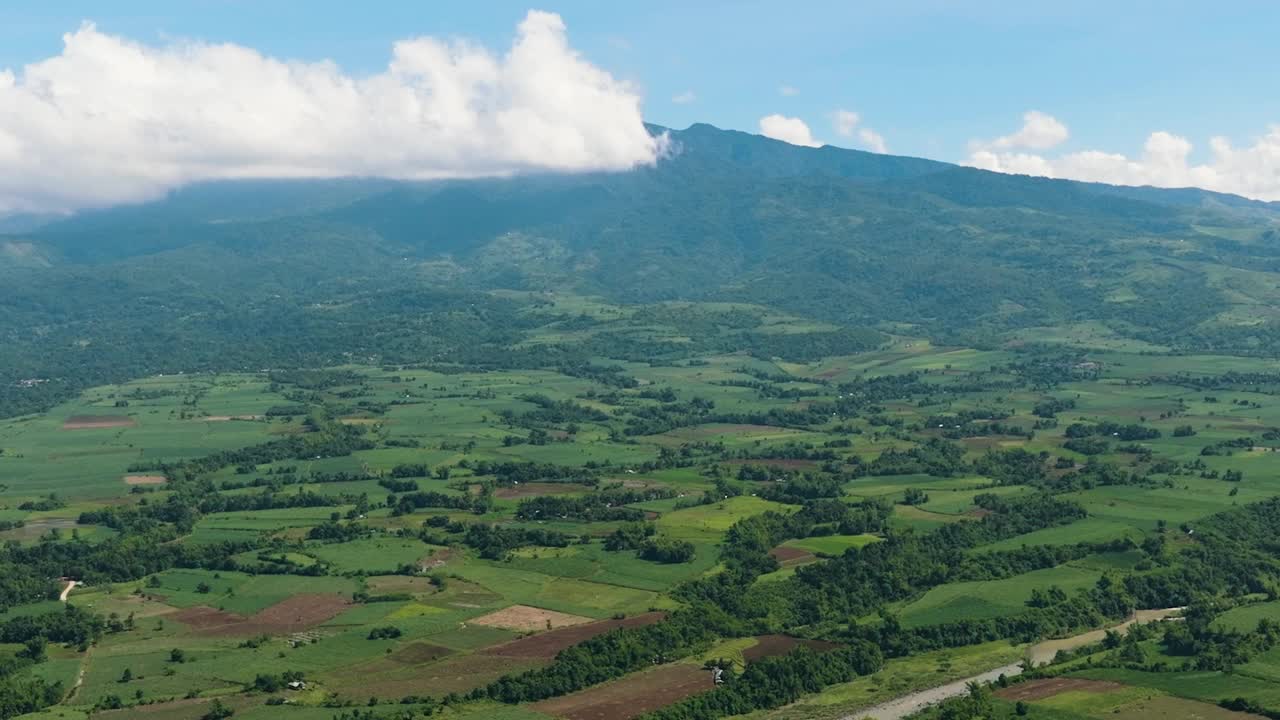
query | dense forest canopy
[268, 274]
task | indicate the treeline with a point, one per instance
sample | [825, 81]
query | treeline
[643, 538]
[333, 439]
[776, 681]
[1128, 433]
[491, 541]
[409, 502]
[512, 473]
[610, 655]
[600, 506]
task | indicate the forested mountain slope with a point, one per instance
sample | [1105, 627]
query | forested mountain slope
[260, 273]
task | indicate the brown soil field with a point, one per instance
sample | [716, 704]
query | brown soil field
[524, 618]
[784, 555]
[534, 489]
[145, 480]
[202, 617]
[97, 422]
[297, 613]
[633, 695]
[1048, 687]
[548, 644]
[770, 645]
[419, 653]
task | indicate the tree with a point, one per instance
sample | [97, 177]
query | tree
[218, 711]
[126, 676]
[915, 496]
[177, 655]
[35, 649]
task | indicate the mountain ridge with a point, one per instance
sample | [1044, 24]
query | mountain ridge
[856, 239]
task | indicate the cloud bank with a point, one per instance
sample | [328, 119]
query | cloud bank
[788, 129]
[846, 124]
[1252, 171]
[110, 121]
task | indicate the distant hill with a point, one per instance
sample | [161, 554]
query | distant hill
[850, 237]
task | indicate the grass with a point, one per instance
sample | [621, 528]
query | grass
[1208, 686]
[992, 598]
[1245, 618]
[237, 592]
[443, 419]
[898, 677]
[370, 555]
[832, 544]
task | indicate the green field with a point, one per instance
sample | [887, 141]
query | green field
[265, 547]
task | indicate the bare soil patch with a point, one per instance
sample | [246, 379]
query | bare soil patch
[295, 614]
[145, 479]
[533, 489]
[548, 644]
[631, 696]
[419, 653]
[524, 618]
[203, 617]
[771, 645]
[784, 555]
[1048, 687]
[436, 559]
[97, 422]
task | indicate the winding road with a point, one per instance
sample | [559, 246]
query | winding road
[1039, 654]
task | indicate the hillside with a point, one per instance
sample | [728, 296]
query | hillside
[233, 275]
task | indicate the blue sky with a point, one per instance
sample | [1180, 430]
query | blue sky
[933, 78]
[929, 76]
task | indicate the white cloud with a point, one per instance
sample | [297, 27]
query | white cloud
[872, 140]
[788, 129]
[788, 91]
[684, 98]
[1039, 131]
[110, 121]
[846, 124]
[1252, 171]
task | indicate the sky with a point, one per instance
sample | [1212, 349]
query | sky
[103, 103]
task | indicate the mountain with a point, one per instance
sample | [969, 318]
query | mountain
[245, 273]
